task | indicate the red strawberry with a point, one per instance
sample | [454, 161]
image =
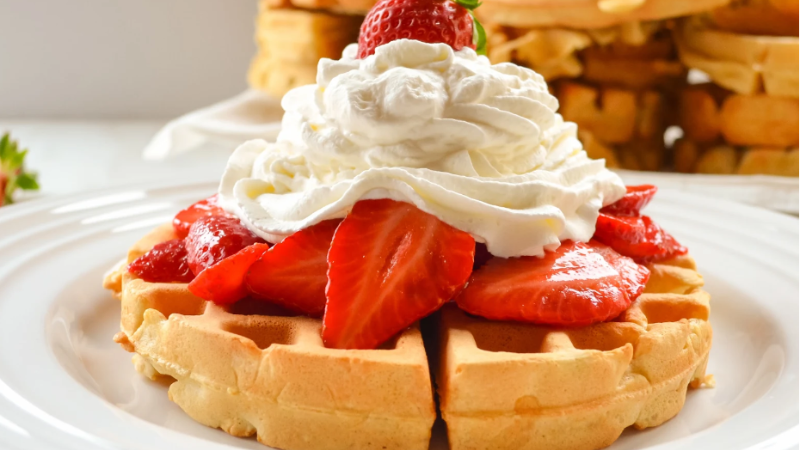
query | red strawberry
[637, 237]
[164, 263]
[634, 276]
[295, 272]
[214, 238]
[223, 283]
[204, 208]
[431, 21]
[390, 264]
[636, 198]
[572, 286]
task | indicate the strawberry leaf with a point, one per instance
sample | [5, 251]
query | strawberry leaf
[12, 170]
[480, 37]
[468, 4]
[17, 159]
[4, 148]
[27, 181]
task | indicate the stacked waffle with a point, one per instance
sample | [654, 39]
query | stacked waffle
[616, 63]
[292, 39]
[745, 121]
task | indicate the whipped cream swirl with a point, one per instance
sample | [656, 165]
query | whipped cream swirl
[479, 146]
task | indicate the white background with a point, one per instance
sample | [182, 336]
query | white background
[121, 59]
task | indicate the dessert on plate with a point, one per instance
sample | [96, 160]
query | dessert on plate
[417, 183]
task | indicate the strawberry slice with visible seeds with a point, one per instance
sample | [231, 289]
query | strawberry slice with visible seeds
[214, 238]
[636, 198]
[204, 208]
[223, 283]
[634, 276]
[572, 286]
[166, 262]
[637, 237]
[390, 264]
[294, 273]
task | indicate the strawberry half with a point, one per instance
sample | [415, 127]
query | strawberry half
[637, 237]
[636, 198]
[223, 283]
[166, 262]
[204, 208]
[214, 238]
[294, 273]
[572, 286]
[390, 264]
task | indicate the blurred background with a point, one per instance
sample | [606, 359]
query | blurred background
[697, 95]
[114, 59]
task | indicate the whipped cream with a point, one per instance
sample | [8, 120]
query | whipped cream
[479, 146]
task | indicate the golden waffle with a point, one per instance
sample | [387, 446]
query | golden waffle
[634, 55]
[708, 114]
[272, 376]
[613, 115]
[291, 42]
[551, 52]
[642, 66]
[759, 17]
[524, 387]
[743, 63]
[587, 14]
[723, 159]
[355, 7]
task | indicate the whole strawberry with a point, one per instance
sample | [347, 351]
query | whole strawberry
[431, 21]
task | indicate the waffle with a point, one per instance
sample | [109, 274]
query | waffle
[633, 55]
[552, 52]
[355, 7]
[524, 387]
[270, 375]
[291, 42]
[723, 159]
[743, 63]
[758, 17]
[587, 14]
[708, 114]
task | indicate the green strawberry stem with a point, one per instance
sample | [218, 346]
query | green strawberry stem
[479, 34]
[13, 175]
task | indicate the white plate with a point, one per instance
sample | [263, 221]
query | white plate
[65, 385]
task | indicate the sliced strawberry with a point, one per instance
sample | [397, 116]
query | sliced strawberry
[634, 276]
[637, 237]
[223, 283]
[571, 286]
[390, 264]
[214, 238]
[165, 263]
[636, 198]
[204, 208]
[295, 272]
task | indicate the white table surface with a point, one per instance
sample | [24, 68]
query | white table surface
[74, 156]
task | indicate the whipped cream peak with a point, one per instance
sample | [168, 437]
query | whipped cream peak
[480, 146]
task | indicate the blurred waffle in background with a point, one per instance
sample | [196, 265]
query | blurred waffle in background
[618, 67]
[291, 40]
[745, 120]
